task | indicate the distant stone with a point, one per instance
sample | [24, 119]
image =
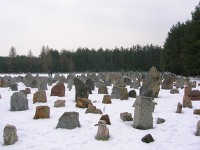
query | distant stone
[4, 83]
[132, 93]
[119, 93]
[34, 84]
[10, 135]
[179, 108]
[59, 103]
[42, 84]
[103, 132]
[174, 91]
[42, 112]
[40, 96]
[27, 91]
[58, 90]
[81, 89]
[194, 84]
[106, 119]
[28, 79]
[198, 129]
[69, 120]
[103, 89]
[93, 110]
[125, 116]
[106, 99]
[160, 120]
[147, 138]
[18, 102]
[196, 111]
[168, 82]
[90, 85]
[83, 102]
[14, 86]
[186, 99]
[194, 95]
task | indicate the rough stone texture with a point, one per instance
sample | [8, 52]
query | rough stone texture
[102, 89]
[28, 79]
[168, 82]
[194, 84]
[42, 112]
[119, 93]
[135, 84]
[187, 90]
[106, 99]
[27, 90]
[151, 86]
[179, 108]
[18, 102]
[90, 85]
[83, 102]
[40, 96]
[127, 80]
[106, 119]
[69, 120]
[81, 89]
[174, 91]
[196, 111]
[4, 83]
[147, 138]
[132, 93]
[160, 120]
[144, 108]
[34, 84]
[14, 86]
[10, 135]
[180, 83]
[59, 103]
[198, 128]
[125, 116]
[103, 132]
[93, 110]
[58, 90]
[187, 102]
[194, 95]
[42, 84]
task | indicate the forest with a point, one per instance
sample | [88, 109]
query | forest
[180, 54]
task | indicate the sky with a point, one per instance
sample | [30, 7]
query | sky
[70, 24]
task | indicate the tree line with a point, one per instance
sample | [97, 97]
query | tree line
[135, 58]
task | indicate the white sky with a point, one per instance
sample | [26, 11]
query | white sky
[69, 24]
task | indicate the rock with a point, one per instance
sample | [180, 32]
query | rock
[14, 86]
[90, 85]
[196, 111]
[147, 138]
[18, 102]
[102, 89]
[132, 93]
[58, 90]
[4, 83]
[194, 95]
[69, 120]
[28, 79]
[27, 91]
[106, 99]
[160, 120]
[59, 103]
[135, 84]
[119, 93]
[179, 108]
[106, 119]
[42, 84]
[81, 89]
[40, 96]
[144, 108]
[103, 132]
[10, 135]
[83, 102]
[34, 84]
[42, 112]
[194, 84]
[93, 110]
[151, 86]
[198, 128]
[168, 82]
[186, 100]
[125, 116]
[174, 91]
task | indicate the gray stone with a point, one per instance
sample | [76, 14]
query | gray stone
[174, 91]
[42, 84]
[135, 84]
[198, 129]
[90, 85]
[151, 86]
[28, 79]
[168, 82]
[19, 102]
[14, 86]
[125, 116]
[59, 103]
[34, 84]
[144, 108]
[103, 132]
[147, 138]
[119, 93]
[160, 120]
[10, 135]
[69, 120]
[81, 89]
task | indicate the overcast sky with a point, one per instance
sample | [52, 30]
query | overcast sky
[69, 24]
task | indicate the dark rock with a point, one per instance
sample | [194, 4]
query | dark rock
[147, 138]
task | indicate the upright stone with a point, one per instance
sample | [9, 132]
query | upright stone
[186, 100]
[42, 84]
[151, 87]
[198, 128]
[179, 108]
[103, 132]
[42, 112]
[40, 96]
[28, 79]
[14, 86]
[10, 135]
[81, 89]
[119, 93]
[18, 102]
[69, 120]
[102, 89]
[168, 82]
[58, 90]
[90, 85]
[106, 99]
[144, 108]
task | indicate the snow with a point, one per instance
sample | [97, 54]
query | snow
[176, 133]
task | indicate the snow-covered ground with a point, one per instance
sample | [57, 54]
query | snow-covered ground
[177, 133]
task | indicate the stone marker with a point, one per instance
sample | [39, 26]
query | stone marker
[69, 120]
[40, 96]
[186, 100]
[119, 92]
[102, 89]
[160, 120]
[106, 119]
[144, 108]
[147, 138]
[18, 102]
[10, 135]
[58, 90]
[42, 112]
[179, 108]
[83, 102]
[59, 103]
[106, 99]
[81, 89]
[103, 132]
[125, 116]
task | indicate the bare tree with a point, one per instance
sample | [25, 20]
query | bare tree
[12, 59]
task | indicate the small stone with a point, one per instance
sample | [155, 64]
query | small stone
[125, 116]
[106, 119]
[42, 112]
[107, 99]
[179, 108]
[59, 103]
[10, 135]
[160, 120]
[196, 111]
[147, 138]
